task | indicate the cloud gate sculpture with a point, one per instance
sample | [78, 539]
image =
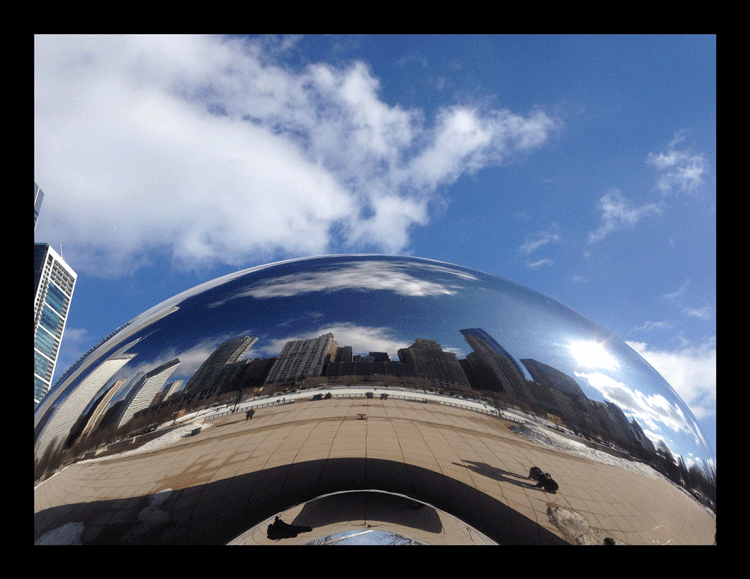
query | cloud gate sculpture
[367, 398]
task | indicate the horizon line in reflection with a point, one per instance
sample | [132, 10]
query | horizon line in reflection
[489, 368]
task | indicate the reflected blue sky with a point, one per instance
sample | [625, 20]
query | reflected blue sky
[383, 304]
[366, 537]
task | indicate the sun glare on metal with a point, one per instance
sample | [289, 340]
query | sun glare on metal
[591, 354]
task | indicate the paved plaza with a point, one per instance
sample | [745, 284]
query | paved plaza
[467, 470]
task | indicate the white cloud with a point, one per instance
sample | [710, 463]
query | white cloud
[649, 325]
[539, 263]
[679, 169]
[690, 370]
[705, 312]
[537, 240]
[618, 213]
[207, 150]
[540, 239]
[679, 291]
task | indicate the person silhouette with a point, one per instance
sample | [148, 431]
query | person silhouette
[281, 530]
[535, 473]
[548, 483]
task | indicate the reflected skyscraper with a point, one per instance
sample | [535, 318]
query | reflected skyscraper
[552, 378]
[97, 413]
[151, 384]
[300, 359]
[494, 364]
[171, 389]
[344, 354]
[218, 362]
[61, 417]
[430, 362]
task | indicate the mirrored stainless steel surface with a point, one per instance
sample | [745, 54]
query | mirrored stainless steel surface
[221, 393]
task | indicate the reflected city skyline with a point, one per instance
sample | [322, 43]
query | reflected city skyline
[489, 368]
[387, 321]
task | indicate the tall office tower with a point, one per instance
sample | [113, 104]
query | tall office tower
[170, 389]
[209, 374]
[619, 426]
[101, 407]
[145, 390]
[598, 413]
[54, 281]
[492, 361]
[431, 362]
[641, 437]
[344, 354]
[303, 358]
[553, 378]
[67, 412]
[38, 197]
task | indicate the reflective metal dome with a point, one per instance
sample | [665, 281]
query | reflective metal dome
[293, 402]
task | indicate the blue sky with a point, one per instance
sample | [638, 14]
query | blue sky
[583, 167]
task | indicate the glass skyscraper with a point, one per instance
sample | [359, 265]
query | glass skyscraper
[54, 281]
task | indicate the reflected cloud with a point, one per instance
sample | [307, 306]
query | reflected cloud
[366, 276]
[690, 370]
[653, 410]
